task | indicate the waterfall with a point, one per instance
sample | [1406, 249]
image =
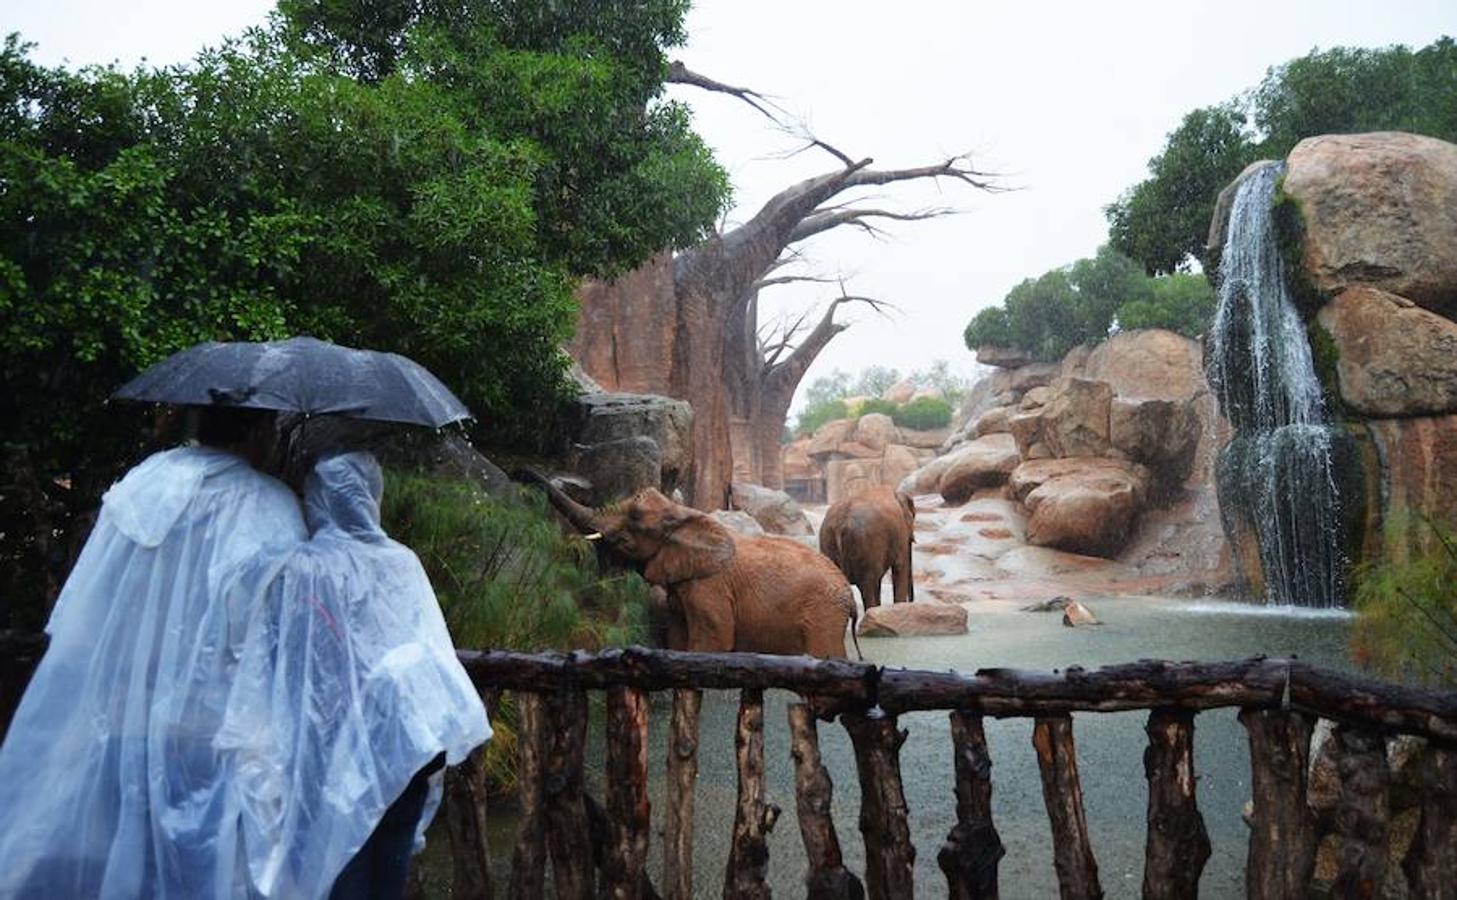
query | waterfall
[1280, 466]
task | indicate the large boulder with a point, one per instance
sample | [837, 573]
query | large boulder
[850, 477]
[828, 437]
[1002, 357]
[738, 521]
[913, 619]
[985, 462]
[1161, 434]
[1031, 475]
[927, 478]
[1393, 358]
[1075, 417]
[617, 468]
[1089, 511]
[898, 462]
[797, 465]
[1379, 209]
[900, 392]
[1148, 363]
[996, 420]
[875, 431]
[924, 440]
[608, 418]
[775, 510]
[1035, 375]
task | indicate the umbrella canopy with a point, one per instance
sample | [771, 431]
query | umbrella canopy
[302, 375]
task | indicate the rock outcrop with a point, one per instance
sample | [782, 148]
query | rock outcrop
[775, 511]
[1393, 358]
[985, 462]
[913, 619]
[622, 443]
[1378, 210]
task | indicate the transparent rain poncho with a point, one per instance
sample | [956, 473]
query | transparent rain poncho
[348, 686]
[110, 785]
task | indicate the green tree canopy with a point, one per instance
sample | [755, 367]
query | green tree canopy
[1163, 221]
[432, 185]
[1082, 303]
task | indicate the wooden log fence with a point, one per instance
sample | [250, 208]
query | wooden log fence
[570, 845]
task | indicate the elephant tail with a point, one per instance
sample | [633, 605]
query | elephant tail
[848, 599]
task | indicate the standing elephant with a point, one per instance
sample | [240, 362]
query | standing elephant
[726, 591]
[868, 533]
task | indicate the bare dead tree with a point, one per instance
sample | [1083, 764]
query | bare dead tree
[717, 363]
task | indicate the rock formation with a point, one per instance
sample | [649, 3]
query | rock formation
[1372, 219]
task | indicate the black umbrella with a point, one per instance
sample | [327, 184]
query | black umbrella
[302, 375]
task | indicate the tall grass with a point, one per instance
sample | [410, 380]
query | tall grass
[507, 577]
[1407, 624]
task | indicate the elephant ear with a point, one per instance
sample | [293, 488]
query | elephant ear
[695, 547]
[908, 506]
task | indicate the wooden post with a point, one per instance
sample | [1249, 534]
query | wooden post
[1177, 846]
[1062, 792]
[568, 833]
[464, 809]
[1282, 828]
[1431, 863]
[973, 848]
[748, 860]
[889, 854]
[625, 862]
[528, 861]
[827, 879]
[682, 772]
[1362, 813]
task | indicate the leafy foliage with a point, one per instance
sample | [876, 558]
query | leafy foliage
[818, 414]
[508, 578]
[923, 414]
[1162, 222]
[1407, 625]
[1084, 302]
[825, 396]
[430, 183]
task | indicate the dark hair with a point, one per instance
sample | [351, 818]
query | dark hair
[227, 426]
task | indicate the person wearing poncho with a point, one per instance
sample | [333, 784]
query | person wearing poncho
[110, 785]
[348, 687]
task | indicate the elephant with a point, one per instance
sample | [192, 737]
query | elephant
[868, 533]
[726, 591]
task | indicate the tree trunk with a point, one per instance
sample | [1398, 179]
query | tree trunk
[625, 860]
[1362, 813]
[889, 854]
[528, 862]
[1072, 852]
[1282, 828]
[465, 820]
[682, 773]
[973, 848]
[748, 861]
[827, 879]
[1177, 846]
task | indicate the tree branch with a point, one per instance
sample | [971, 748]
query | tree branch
[833, 218]
[681, 74]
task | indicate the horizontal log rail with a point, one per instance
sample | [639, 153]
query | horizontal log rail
[600, 849]
[841, 686]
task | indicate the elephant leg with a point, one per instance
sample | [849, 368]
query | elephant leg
[709, 618]
[902, 584]
[869, 585]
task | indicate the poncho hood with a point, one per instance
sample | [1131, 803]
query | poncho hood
[146, 504]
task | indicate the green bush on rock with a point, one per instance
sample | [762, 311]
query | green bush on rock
[923, 414]
[1407, 624]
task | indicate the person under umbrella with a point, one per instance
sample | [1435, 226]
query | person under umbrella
[348, 701]
[109, 780]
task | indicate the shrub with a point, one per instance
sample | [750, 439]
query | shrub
[923, 414]
[876, 405]
[1407, 625]
[825, 411]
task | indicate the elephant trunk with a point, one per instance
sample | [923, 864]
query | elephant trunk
[583, 518]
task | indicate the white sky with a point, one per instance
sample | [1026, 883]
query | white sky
[1068, 99]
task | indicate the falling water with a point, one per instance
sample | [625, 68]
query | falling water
[1280, 463]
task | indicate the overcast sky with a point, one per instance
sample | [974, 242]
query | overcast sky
[1068, 100]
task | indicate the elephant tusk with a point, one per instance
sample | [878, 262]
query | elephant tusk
[594, 536]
